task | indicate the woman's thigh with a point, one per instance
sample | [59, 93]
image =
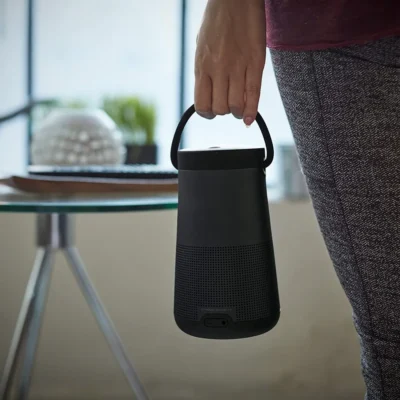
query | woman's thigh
[343, 106]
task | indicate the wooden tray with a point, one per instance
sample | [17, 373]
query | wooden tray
[41, 184]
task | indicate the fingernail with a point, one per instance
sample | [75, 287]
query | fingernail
[248, 121]
[206, 115]
[237, 112]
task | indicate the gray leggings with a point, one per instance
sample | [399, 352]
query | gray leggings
[343, 106]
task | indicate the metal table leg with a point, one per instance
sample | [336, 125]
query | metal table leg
[33, 330]
[104, 321]
[40, 270]
[55, 231]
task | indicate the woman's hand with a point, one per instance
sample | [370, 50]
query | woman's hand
[230, 59]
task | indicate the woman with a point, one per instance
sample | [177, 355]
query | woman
[337, 64]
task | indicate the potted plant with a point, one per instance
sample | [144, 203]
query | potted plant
[137, 120]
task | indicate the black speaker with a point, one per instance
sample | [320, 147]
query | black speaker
[225, 277]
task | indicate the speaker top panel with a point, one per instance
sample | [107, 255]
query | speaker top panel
[215, 158]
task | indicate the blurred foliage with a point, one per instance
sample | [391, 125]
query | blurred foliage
[135, 118]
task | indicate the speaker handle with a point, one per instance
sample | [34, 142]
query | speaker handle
[191, 110]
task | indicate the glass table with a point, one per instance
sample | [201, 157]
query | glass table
[55, 232]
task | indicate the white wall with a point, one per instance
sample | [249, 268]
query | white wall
[312, 353]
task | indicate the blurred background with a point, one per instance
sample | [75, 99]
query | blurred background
[124, 55]
[114, 55]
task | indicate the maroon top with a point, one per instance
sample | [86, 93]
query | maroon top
[320, 24]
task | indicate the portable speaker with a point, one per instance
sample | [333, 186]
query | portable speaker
[225, 277]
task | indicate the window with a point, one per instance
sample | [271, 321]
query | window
[13, 33]
[131, 47]
[111, 48]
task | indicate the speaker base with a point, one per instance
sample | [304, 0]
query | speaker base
[228, 330]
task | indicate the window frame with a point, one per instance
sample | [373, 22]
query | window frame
[30, 64]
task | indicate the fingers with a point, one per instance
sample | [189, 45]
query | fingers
[220, 95]
[203, 96]
[252, 93]
[236, 94]
[211, 96]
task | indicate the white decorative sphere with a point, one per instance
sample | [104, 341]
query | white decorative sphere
[78, 137]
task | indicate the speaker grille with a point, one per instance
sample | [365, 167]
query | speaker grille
[237, 277]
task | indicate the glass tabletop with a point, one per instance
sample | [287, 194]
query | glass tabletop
[13, 201]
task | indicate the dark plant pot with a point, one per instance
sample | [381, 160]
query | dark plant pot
[146, 154]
